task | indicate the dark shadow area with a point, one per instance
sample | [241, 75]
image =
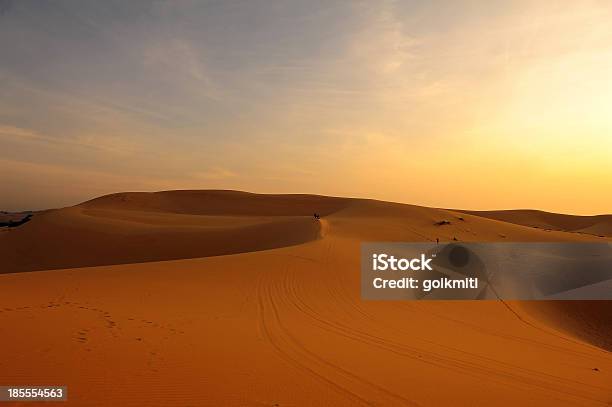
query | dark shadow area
[586, 320]
[15, 223]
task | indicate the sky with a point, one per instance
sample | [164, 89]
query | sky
[457, 104]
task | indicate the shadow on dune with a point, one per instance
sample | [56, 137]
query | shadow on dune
[220, 203]
[15, 223]
[589, 321]
[145, 227]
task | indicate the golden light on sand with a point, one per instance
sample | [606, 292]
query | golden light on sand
[228, 298]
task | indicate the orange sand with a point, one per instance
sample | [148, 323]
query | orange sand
[245, 300]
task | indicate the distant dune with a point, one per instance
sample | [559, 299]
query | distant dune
[599, 225]
[232, 298]
[218, 203]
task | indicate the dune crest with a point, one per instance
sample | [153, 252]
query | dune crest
[136, 227]
[598, 225]
[219, 203]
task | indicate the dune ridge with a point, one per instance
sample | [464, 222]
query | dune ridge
[220, 202]
[136, 227]
[598, 225]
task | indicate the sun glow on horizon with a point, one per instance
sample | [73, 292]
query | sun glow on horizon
[498, 106]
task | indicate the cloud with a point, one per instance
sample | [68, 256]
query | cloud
[17, 133]
[286, 95]
[215, 173]
[382, 44]
[105, 143]
[5, 6]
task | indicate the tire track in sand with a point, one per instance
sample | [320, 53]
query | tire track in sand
[295, 353]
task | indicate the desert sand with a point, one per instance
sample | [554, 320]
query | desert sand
[598, 225]
[222, 298]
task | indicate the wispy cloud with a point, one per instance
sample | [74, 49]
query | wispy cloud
[214, 173]
[333, 97]
[5, 6]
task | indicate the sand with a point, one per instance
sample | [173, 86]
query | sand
[598, 225]
[222, 298]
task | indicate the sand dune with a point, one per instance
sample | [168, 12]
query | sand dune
[600, 225]
[219, 202]
[279, 327]
[587, 320]
[143, 227]
[77, 237]
[140, 227]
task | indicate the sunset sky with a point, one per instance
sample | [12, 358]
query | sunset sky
[475, 105]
